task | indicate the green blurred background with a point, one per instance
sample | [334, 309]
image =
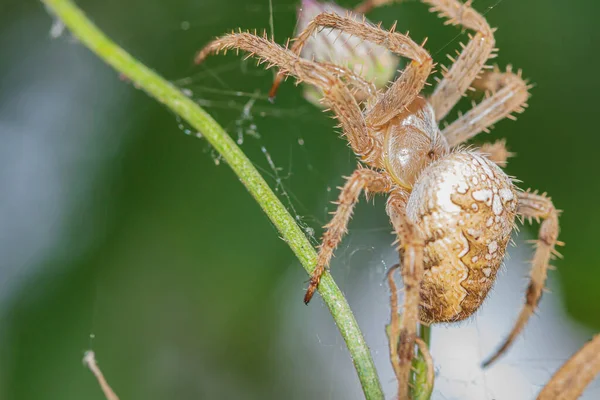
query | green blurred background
[120, 233]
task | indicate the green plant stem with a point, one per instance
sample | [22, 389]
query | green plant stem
[169, 95]
[421, 384]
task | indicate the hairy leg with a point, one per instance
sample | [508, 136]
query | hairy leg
[358, 86]
[394, 336]
[394, 328]
[402, 92]
[411, 252]
[536, 206]
[361, 88]
[362, 179]
[471, 60]
[497, 152]
[505, 92]
[569, 382]
[335, 92]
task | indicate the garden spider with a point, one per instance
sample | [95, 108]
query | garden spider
[453, 209]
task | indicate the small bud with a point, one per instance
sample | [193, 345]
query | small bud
[373, 62]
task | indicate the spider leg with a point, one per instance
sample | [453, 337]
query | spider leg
[335, 92]
[346, 74]
[506, 92]
[536, 206]
[496, 152]
[394, 327]
[360, 88]
[411, 252]
[569, 382]
[403, 91]
[362, 179]
[474, 55]
[394, 336]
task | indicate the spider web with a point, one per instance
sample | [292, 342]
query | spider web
[252, 110]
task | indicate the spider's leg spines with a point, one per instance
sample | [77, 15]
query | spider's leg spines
[451, 58]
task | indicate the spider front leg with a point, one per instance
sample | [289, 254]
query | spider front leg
[506, 92]
[362, 179]
[403, 91]
[534, 206]
[457, 80]
[411, 246]
[361, 88]
[323, 76]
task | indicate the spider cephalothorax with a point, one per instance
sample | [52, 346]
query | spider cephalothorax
[452, 209]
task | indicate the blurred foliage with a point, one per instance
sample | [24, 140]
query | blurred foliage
[162, 254]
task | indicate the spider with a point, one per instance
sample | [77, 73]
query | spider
[452, 208]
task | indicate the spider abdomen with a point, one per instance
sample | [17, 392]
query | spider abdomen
[465, 206]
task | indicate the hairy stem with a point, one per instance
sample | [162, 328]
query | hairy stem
[169, 95]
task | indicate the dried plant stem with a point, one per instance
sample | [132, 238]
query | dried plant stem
[89, 359]
[175, 100]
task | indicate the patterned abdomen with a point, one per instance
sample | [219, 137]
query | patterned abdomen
[465, 206]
